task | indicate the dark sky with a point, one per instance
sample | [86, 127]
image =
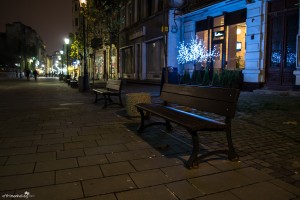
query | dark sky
[51, 19]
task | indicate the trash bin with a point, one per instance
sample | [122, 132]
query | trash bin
[134, 98]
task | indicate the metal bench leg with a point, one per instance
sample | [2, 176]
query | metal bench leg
[168, 126]
[120, 99]
[232, 155]
[191, 163]
[96, 97]
[105, 101]
[141, 127]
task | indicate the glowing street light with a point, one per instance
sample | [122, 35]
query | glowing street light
[67, 41]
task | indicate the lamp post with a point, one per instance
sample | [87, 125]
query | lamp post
[85, 70]
[62, 62]
[67, 41]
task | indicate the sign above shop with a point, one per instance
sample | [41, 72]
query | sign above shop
[218, 34]
[138, 33]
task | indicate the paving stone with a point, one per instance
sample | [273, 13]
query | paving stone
[57, 192]
[51, 147]
[105, 149]
[153, 163]
[52, 141]
[23, 138]
[16, 144]
[149, 193]
[219, 196]
[92, 160]
[149, 178]
[8, 170]
[3, 160]
[262, 191]
[54, 135]
[220, 182]
[226, 165]
[102, 197]
[184, 190]
[130, 155]
[86, 138]
[29, 158]
[56, 165]
[180, 172]
[254, 174]
[78, 174]
[26, 181]
[117, 168]
[291, 188]
[138, 145]
[80, 145]
[17, 151]
[70, 153]
[115, 140]
[107, 185]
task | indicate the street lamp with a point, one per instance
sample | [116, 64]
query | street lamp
[67, 41]
[85, 70]
[62, 62]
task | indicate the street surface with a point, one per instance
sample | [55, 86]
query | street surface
[55, 143]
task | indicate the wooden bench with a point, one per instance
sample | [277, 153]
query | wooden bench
[73, 83]
[211, 100]
[112, 88]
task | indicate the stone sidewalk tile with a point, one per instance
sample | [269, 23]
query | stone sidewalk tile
[52, 141]
[70, 153]
[17, 151]
[130, 155]
[3, 160]
[150, 193]
[184, 190]
[254, 174]
[102, 197]
[180, 172]
[78, 174]
[52, 136]
[9, 170]
[26, 181]
[138, 145]
[5, 145]
[105, 149]
[56, 165]
[80, 145]
[220, 182]
[23, 138]
[107, 185]
[262, 191]
[86, 138]
[149, 178]
[288, 187]
[29, 158]
[117, 168]
[219, 196]
[50, 148]
[154, 163]
[92, 160]
[226, 165]
[57, 192]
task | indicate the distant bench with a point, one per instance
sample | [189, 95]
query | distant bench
[220, 101]
[112, 88]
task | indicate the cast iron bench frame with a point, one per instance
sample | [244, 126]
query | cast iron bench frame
[220, 101]
[112, 88]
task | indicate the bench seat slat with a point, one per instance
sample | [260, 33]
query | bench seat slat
[191, 121]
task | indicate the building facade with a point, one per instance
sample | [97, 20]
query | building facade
[258, 37]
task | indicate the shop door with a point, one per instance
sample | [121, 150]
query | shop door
[283, 29]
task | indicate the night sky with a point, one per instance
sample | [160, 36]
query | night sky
[51, 19]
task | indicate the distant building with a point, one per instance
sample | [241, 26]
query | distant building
[22, 48]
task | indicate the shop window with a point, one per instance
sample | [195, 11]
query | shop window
[236, 46]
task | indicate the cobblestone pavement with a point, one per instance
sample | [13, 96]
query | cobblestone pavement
[55, 143]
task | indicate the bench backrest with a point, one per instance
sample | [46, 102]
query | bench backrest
[114, 84]
[221, 101]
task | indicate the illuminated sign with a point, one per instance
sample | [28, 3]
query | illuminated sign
[218, 34]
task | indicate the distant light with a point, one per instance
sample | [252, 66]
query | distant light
[67, 40]
[238, 31]
[61, 52]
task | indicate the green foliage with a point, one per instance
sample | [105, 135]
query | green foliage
[206, 80]
[186, 79]
[216, 80]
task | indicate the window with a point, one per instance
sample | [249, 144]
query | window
[155, 57]
[127, 61]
